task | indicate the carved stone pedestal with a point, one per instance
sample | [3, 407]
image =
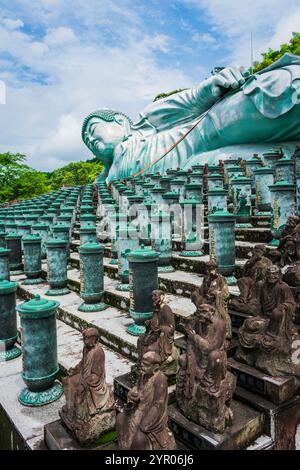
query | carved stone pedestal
[275, 389]
[97, 426]
[57, 437]
[247, 425]
[211, 408]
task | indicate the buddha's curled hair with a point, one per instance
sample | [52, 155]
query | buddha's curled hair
[105, 114]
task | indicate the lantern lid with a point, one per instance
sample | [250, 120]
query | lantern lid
[88, 227]
[13, 236]
[32, 238]
[38, 305]
[143, 254]
[4, 251]
[217, 191]
[241, 179]
[221, 215]
[264, 169]
[215, 175]
[281, 185]
[284, 161]
[56, 242]
[193, 186]
[61, 228]
[91, 248]
[171, 195]
[40, 226]
[7, 287]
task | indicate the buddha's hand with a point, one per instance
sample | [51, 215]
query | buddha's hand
[228, 78]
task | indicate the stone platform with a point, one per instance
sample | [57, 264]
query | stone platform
[246, 427]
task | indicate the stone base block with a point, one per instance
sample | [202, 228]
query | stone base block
[247, 425]
[90, 432]
[275, 389]
[57, 437]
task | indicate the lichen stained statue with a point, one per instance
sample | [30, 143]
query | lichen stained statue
[246, 116]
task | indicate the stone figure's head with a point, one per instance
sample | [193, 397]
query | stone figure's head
[102, 130]
[150, 362]
[158, 297]
[205, 313]
[273, 274]
[292, 221]
[90, 337]
[259, 250]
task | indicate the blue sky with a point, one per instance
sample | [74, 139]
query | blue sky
[61, 59]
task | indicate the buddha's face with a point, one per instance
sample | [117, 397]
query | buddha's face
[101, 136]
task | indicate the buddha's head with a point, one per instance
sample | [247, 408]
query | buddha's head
[102, 130]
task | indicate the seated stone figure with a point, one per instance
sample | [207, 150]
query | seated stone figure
[253, 272]
[292, 275]
[289, 244]
[214, 291]
[204, 386]
[257, 113]
[159, 336]
[89, 410]
[142, 424]
[265, 341]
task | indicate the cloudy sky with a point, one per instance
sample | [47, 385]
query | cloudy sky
[61, 59]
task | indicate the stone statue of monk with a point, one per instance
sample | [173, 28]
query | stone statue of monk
[214, 291]
[265, 341]
[253, 272]
[143, 423]
[248, 116]
[159, 336]
[89, 409]
[204, 387]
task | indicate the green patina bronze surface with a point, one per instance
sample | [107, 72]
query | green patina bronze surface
[91, 277]
[57, 258]
[257, 115]
[32, 259]
[8, 321]
[222, 243]
[143, 280]
[39, 341]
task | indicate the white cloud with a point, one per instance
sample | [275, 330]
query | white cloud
[205, 38]
[79, 73]
[271, 22]
[59, 36]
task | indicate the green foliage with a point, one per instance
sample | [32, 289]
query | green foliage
[293, 47]
[18, 181]
[74, 174]
[164, 95]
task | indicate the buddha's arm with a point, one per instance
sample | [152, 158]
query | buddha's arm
[190, 104]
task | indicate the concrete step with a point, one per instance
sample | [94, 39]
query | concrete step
[178, 282]
[26, 428]
[111, 323]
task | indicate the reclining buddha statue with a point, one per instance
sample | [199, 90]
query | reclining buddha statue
[238, 115]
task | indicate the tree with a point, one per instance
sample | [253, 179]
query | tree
[74, 174]
[18, 180]
[269, 57]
